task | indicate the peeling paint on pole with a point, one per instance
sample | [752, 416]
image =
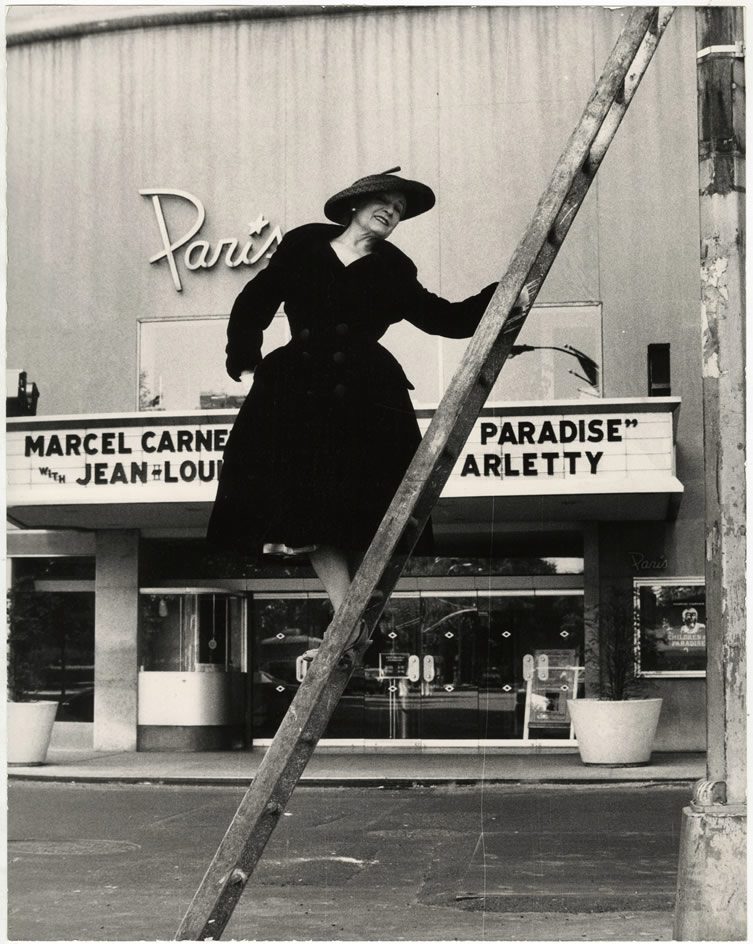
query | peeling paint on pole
[716, 254]
[711, 892]
[721, 127]
[712, 849]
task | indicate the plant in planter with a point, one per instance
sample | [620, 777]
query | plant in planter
[618, 726]
[30, 720]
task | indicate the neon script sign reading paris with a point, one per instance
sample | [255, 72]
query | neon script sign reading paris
[199, 254]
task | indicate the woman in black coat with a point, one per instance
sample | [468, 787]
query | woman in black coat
[327, 430]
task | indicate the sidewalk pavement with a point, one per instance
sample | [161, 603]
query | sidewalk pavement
[340, 767]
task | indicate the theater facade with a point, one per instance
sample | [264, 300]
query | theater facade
[155, 159]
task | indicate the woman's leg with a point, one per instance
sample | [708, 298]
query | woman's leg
[335, 569]
[332, 568]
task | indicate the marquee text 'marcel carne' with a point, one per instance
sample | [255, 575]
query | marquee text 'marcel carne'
[206, 467]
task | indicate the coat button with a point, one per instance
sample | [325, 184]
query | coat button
[341, 329]
[305, 355]
[339, 391]
[338, 357]
[304, 335]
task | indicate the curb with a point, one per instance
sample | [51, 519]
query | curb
[397, 783]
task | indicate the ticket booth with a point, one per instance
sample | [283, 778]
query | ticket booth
[192, 669]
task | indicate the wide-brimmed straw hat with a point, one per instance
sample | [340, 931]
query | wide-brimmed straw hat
[418, 197]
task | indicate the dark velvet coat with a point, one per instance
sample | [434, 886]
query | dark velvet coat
[327, 431]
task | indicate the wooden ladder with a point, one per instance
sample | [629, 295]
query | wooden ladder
[308, 715]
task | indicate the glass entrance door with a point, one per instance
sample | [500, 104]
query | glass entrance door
[285, 626]
[470, 666]
[392, 672]
[529, 633]
[454, 667]
[454, 632]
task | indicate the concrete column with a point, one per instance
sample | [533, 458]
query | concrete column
[115, 640]
[711, 893]
[591, 592]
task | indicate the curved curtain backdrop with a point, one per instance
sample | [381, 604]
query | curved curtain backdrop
[272, 116]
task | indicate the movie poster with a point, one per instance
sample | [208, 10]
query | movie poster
[671, 622]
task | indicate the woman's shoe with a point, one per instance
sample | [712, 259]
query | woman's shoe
[284, 551]
[348, 656]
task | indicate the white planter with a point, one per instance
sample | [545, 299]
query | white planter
[29, 731]
[615, 733]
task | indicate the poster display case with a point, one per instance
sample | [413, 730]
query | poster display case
[670, 626]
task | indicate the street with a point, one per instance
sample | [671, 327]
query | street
[501, 862]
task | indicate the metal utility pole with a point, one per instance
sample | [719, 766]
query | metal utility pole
[711, 892]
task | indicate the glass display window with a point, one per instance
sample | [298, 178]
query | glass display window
[167, 345]
[50, 618]
[557, 356]
[670, 626]
[52, 639]
[192, 631]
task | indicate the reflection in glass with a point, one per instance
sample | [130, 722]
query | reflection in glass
[52, 646]
[391, 698]
[545, 374]
[441, 666]
[453, 632]
[284, 628]
[518, 566]
[528, 626]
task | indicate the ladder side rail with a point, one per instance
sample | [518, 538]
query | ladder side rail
[326, 679]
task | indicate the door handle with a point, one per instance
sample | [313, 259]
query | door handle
[527, 668]
[542, 667]
[414, 668]
[429, 672]
[301, 665]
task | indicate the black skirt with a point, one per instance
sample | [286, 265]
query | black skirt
[316, 453]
